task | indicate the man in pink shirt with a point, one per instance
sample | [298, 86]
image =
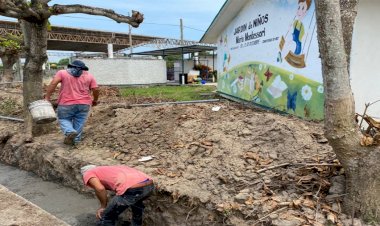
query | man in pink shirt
[74, 99]
[130, 185]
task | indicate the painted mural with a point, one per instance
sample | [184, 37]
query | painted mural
[270, 57]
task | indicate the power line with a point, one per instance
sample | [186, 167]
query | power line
[173, 25]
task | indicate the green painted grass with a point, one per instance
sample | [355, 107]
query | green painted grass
[172, 93]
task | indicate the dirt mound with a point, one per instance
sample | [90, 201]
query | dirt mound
[216, 158]
[235, 166]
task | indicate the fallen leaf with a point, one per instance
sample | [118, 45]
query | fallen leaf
[251, 155]
[249, 201]
[175, 196]
[297, 203]
[331, 217]
[366, 141]
[207, 143]
[160, 171]
[235, 206]
[116, 154]
[308, 203]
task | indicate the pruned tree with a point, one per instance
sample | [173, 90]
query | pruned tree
[34, 16]
[10, 49]
[361, 164]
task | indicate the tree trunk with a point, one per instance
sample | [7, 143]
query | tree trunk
[361, 164]
[8, 61]
[35, 41]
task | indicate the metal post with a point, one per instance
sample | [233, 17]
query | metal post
[213, 61]
[18, 69]
[183, 68]
[130, 40]
[181, 26]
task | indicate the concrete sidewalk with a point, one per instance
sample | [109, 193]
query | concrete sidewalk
[15, 210]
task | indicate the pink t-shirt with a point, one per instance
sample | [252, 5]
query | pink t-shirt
[75, 90]
[116, 178]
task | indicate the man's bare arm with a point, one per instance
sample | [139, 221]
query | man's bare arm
[50, 89]
[100, 191]
[95, 94]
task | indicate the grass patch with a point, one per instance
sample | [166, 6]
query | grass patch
[169, 93]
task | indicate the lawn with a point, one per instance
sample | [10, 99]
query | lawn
[172, 93]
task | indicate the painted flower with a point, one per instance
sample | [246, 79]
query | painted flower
[291, 76]
[306, 92]
[277, 87]
[260, 67]
[320, 89]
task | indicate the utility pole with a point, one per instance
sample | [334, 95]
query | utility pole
[181, 26]
[130, 39]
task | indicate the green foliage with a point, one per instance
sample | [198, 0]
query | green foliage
[48, 26]
[171, 59]
[64, 61]
[169, 93]
[10, 43]
[9, 107]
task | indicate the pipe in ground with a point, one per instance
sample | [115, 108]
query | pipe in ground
[11, 118]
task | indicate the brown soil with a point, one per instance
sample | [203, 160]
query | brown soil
[210, 167]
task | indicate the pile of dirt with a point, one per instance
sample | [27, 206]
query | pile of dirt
[234, 166]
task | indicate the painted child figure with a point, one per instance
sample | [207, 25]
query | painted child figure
[298, 27]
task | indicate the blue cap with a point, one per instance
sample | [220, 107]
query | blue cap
[78, 64]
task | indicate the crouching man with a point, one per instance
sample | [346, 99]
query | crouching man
[130, 185]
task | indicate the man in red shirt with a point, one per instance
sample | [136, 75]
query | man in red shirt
[130, 185]
[74, 99]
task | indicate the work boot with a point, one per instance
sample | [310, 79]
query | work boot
[69, 139]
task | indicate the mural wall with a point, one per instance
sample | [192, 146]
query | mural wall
[269, 55]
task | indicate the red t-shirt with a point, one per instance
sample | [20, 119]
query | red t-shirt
[115, 178]
[75, 90]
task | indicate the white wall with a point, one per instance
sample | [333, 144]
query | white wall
[127, 71]
[365, 57]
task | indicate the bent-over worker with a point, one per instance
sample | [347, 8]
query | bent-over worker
[130, 185]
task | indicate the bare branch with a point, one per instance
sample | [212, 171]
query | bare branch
[44, 1]
[17, 9]
[135, 20]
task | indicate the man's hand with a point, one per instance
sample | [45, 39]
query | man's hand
[47, 98]
[99, 213]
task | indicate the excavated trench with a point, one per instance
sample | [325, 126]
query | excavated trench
[63, 202]
[60, 164]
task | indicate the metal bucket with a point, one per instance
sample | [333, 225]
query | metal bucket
[42, 111]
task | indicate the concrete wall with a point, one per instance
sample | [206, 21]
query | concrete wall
[365, 79]
[127, 71]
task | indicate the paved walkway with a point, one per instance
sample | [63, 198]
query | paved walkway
[15, 210]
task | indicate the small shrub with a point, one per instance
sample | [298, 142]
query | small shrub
[9, 106]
